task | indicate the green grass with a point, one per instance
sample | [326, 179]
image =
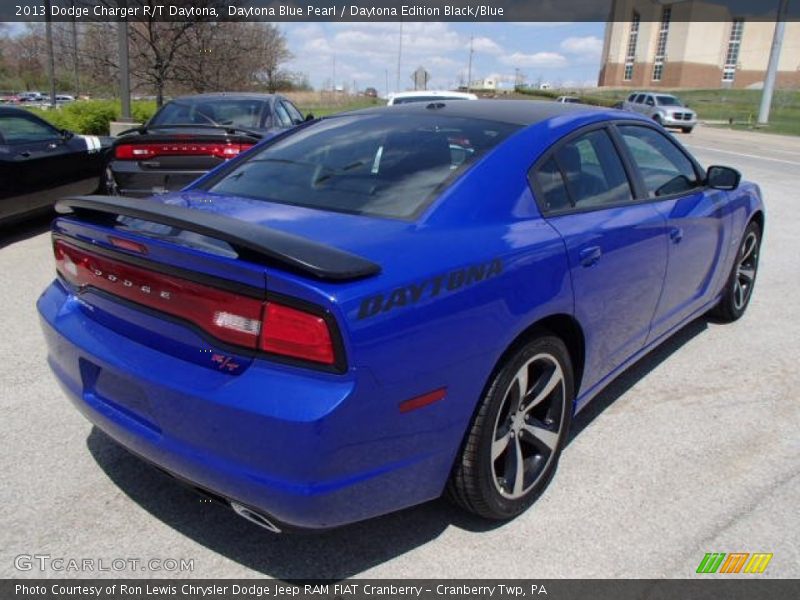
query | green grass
[323, 110]
[732, 108]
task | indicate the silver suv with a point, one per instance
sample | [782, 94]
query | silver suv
[665, 109]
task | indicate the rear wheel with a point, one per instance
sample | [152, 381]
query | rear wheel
[512, 448]
[742, 279]
[109, 183]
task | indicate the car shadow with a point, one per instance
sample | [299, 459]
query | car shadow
[635, 373]
[23, 230]
[335, 554]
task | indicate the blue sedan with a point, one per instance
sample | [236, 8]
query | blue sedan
[376, 308]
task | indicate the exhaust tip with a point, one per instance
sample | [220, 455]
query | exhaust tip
[255, 517]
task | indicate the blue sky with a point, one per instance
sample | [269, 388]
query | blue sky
[558, 53]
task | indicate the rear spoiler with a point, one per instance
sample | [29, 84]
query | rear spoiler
[270, 246]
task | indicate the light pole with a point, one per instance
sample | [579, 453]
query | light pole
[124, 68]
[51, 60]
[774, 60]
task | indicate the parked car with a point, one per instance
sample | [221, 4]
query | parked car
[191, 135]
[345, 322]
[568, 100]
[427, 96]
[665, 109]
[371, 92]
[28, 97]
[40, 163]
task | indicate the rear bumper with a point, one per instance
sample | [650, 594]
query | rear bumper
[311, 450]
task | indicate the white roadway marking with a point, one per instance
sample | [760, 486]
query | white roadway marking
[743, 155]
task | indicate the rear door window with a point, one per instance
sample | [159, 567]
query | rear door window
[591, 172]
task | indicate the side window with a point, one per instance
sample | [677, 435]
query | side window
[295, 115]
[585, 173]
[640, 99]
[666, 170]
[282, 118]
[650, 101]
[22, 129]
[632, 97]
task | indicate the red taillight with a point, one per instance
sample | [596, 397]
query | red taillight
[147, 151]
[240, 320]
[296, 333]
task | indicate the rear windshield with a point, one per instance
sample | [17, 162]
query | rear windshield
[219, 111]
[388, 165]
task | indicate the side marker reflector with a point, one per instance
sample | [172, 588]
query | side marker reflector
[424, 400]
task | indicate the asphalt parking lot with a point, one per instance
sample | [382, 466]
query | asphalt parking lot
[695, 450]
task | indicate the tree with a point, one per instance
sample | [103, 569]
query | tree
[272, 53]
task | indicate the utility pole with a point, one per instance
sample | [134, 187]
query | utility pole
[469, 69]
[334, 72]
[774, 60]
[75, 66]
[51, 60]
[387, 83]
[124, 68]
[399, 57]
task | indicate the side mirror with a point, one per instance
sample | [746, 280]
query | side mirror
[723, 178]
[67, 134]
[310, 117]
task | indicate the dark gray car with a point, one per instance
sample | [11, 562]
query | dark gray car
[189, 136]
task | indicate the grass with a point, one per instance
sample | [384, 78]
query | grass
[729, 108]
[321, 104]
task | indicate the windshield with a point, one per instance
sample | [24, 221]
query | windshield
[668, 101]
[381, 164]
[215, 111]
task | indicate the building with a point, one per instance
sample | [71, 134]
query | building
[655, 43]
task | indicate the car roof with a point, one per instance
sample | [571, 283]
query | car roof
[423, 93]
[14, 110]
[233, 95]
[517, 112]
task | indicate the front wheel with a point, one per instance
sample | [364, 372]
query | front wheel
[742, 279]
[687, 129]
[512, 448]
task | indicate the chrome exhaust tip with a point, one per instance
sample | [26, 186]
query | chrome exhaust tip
[255, 517]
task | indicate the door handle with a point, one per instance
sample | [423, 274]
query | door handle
[25, 154]
[676, 235]
[590, 256]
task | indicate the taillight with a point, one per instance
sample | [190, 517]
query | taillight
[224, 150]
[296, 333]
[251, 323]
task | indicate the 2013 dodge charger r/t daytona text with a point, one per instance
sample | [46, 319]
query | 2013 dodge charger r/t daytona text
[378, 307]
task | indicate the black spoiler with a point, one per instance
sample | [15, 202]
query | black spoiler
[266, 245]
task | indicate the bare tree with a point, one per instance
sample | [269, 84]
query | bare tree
[272, 54]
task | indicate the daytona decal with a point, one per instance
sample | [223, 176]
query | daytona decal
[429, 288]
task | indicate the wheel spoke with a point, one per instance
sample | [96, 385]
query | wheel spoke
[519, 471]
[499, 447]
[747, 250]
[543, 436]
[521, 381]
[747, 273]
[738, 294]
[555, 378]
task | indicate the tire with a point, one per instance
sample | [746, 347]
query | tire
[742, 279]
[498, 489]
[657, 119]
[687, 129]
